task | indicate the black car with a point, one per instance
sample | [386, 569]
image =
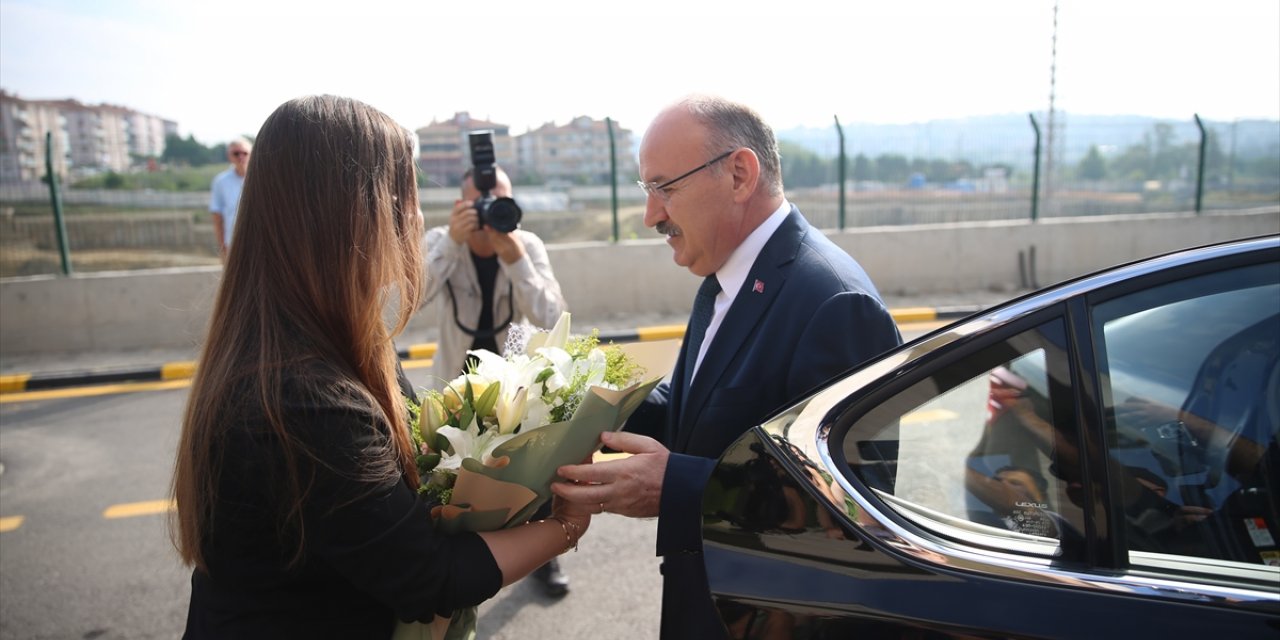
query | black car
[1100, 459]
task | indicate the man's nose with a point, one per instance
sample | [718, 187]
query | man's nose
[654, 211]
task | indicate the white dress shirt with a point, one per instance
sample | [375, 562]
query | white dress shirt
[735, 272]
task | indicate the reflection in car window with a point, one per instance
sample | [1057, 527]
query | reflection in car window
[985, 445]
[1191, 386]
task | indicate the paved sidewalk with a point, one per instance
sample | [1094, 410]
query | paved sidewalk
[50, 370]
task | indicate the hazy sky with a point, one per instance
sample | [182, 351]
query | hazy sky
[219, 68]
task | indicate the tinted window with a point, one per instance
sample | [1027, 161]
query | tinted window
[982, 448]
[1191, 386]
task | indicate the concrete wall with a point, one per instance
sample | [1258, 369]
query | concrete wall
[170, 307]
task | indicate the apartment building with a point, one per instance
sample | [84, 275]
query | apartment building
[23, 126]
[86, 138]
[576, 152]
[444, 154]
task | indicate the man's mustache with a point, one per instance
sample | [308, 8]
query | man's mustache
[666, 228]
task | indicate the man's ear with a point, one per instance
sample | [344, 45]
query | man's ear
[744, 166]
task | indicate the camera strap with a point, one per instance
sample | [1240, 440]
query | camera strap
[483, 333]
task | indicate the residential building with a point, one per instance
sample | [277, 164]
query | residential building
[577, 152]
[23, 129]
[444, 153]
[86, 138]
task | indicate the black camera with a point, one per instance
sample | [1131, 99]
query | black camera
[503, 214]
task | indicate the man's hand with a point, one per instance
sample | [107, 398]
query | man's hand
[631, 486]
[463, 221]
[508, 246]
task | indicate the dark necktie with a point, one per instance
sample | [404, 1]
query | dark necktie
[704, 305]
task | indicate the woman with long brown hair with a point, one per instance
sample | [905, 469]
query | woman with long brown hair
[295, 477]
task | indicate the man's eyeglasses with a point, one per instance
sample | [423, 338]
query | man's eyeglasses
[660, 190]
[239, 154]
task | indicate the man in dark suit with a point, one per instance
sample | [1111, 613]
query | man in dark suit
[781, 310]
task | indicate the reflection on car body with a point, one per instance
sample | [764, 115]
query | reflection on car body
[1099, 459]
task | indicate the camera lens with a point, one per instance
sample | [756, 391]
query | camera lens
[503, 214]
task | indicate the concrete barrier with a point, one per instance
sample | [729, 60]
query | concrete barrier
[169, 307]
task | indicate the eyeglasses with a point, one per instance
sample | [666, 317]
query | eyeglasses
[239, 154]
[660, 190]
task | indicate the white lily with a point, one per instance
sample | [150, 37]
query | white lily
[511, 409]
[592, 368]
[470, 443]
[561, 365]
[558, 337]
[513, 371]
[537, 413]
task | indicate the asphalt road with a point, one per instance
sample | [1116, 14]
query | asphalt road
[84, 552]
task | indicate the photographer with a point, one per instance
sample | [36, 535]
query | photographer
[485, 280]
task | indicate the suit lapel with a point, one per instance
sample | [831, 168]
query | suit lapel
[749, 306]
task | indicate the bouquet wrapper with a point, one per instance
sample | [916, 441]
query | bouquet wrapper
[506, 494]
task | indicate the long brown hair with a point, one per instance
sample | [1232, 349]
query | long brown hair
[328, 235]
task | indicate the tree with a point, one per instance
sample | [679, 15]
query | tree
[185, 151]
[862, 168]
[801, 167]
[891, 167]
[1092, 167]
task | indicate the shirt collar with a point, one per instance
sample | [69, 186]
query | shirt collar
[738, 266]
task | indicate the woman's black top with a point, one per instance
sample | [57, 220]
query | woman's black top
[370, 555]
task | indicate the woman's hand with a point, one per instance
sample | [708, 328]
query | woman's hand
[576, 517]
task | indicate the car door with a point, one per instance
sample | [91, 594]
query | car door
[1045, 470]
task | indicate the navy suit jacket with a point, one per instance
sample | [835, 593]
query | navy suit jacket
[814, 314]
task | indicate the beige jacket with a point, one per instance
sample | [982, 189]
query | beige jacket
[538, 300]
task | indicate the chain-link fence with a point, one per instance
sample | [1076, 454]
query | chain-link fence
[991, 168]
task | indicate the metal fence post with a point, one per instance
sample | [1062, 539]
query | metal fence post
[1035, 175]
[1204, 139]
[55, 197]
[613, 176]
[841, 176]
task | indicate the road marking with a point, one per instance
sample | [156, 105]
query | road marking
[9, 523]
[134, 509]
[100, 390]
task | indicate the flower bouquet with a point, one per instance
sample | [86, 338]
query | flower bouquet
[490, 442]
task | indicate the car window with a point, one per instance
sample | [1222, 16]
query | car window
[983, 448]
[1191, 389]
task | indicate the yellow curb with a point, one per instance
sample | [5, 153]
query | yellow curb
[422, 351]
[10, 523]
[914, 314]
[90, 391]
[132, 509]
[16, 382]
[662, 332]
[178, 370]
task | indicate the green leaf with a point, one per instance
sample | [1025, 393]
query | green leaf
[488, 400]
[427, 462]
[442, 443]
